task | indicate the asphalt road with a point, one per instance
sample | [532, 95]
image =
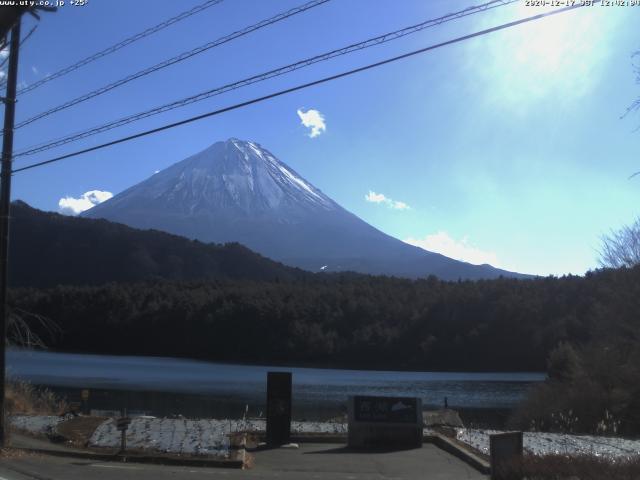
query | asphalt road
[312, 461]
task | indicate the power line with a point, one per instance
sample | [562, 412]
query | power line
[122, 44]
[265, 76]
[22, 42]
[178, 58]
[301, 87]
[26, 37]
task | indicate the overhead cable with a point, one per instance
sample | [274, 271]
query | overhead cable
[387, 37]
[127, 41]
[171, 61]
[300, 87]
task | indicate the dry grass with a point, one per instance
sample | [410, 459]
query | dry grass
[24, 398]
[579, 467]
[78, 430]
[13, 453]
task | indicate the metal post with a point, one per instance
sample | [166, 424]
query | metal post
[5, 206]
[123, 438]
[84, 402]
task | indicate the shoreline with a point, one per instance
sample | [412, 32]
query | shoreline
[297, 365]
[190, 406]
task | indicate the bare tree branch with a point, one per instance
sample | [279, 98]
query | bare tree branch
[621, 248]
[21, 325]
[636, 67]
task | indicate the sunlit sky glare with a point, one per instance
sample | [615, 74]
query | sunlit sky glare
[506, 149]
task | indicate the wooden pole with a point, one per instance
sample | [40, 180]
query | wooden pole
[5, 210]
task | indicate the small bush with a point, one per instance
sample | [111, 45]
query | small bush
[593, 389]
[579, 408]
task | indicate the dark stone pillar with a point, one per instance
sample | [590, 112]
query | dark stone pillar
[278, 408]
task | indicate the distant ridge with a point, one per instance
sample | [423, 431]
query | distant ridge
[47, 249]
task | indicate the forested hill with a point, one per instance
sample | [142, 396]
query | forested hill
[348, 320]
[49, 249]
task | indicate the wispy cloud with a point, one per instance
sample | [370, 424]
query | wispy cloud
[75, 206]
[400, 205]
[34, 69]
[313, 120]
[463, 250]
[382, 199]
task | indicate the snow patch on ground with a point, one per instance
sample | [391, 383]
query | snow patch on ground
[211, 436]
[193, 437]
[196, 437]
[36, 424]
[541, 443]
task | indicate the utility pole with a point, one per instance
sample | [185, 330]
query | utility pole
[5, 207]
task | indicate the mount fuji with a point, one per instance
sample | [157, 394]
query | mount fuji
[237, 191]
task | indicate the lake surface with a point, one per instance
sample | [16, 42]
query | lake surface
[161, 385]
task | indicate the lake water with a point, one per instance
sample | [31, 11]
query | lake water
[168, 385]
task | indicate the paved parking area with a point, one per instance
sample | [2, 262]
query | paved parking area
[334, 461]
[321, 461]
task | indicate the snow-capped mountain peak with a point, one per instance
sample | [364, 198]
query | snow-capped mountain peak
[236, 176]
[238, 191]
[289, 181]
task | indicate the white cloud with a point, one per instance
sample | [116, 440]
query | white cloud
[34, 69]
[75, 206]
[375, 197]
[381, 198]
[314, 120]
[442, 243]
[4, 53]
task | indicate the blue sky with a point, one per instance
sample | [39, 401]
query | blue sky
[507, 149]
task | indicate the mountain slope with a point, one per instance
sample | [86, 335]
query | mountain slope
[237, 191]
[48, 249]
